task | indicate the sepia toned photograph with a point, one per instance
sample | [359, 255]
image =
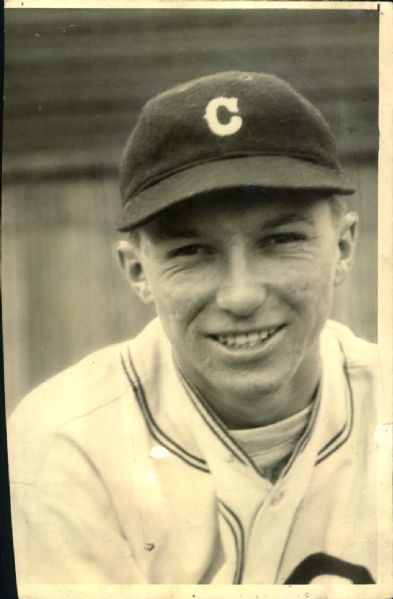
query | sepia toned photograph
[191, 316]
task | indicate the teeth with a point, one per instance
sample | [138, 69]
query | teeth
[253, 338]
[241, 340]
[245, 339]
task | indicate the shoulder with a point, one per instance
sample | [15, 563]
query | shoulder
[92, 382]
[86, 385]
[352, 360]
[355, 351]
[352, 378]
[93, 388]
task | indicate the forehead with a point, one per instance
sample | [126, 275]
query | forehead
[233, 210]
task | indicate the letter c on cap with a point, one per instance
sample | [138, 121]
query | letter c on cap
[222, 129]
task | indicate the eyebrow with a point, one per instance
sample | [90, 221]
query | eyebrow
[165, 230]
[288, 218]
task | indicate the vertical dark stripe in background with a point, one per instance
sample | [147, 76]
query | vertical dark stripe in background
[7, 566]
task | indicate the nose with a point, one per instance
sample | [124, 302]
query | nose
[240, 290]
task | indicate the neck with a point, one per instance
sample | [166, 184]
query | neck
[265, 410]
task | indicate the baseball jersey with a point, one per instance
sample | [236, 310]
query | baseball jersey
[120, 474]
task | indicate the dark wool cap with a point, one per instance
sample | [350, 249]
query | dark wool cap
[232, 129]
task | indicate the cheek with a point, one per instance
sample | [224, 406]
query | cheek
[178, 302]
[310, 290]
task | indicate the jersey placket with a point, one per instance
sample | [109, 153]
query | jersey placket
[274, 520]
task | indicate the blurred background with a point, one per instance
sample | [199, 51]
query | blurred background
[75, 81]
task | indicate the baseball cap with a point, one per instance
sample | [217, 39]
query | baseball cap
[227, 130]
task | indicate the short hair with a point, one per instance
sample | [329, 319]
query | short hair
[134, 235]
[338, 206]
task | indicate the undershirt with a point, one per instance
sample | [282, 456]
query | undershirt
[271, 446]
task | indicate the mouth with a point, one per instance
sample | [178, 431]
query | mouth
[247, 339]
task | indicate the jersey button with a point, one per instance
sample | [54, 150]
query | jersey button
[277, 498]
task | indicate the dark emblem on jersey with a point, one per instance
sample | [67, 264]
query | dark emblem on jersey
[322, 564]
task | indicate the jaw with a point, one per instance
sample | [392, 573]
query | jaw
[254, 385]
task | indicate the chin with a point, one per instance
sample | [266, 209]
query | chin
[249, 389]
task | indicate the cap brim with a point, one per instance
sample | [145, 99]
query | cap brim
[269, 172]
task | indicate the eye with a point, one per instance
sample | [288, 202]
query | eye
[283, 238]
[194, 249]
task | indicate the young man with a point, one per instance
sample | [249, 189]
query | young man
[232, 440]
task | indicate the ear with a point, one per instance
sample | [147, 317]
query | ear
[347, 238]
[130, 258]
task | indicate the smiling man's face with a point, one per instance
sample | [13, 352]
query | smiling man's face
[243, 287]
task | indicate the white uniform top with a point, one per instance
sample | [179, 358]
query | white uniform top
[121, 475]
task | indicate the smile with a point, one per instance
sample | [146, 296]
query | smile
[246, 339]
